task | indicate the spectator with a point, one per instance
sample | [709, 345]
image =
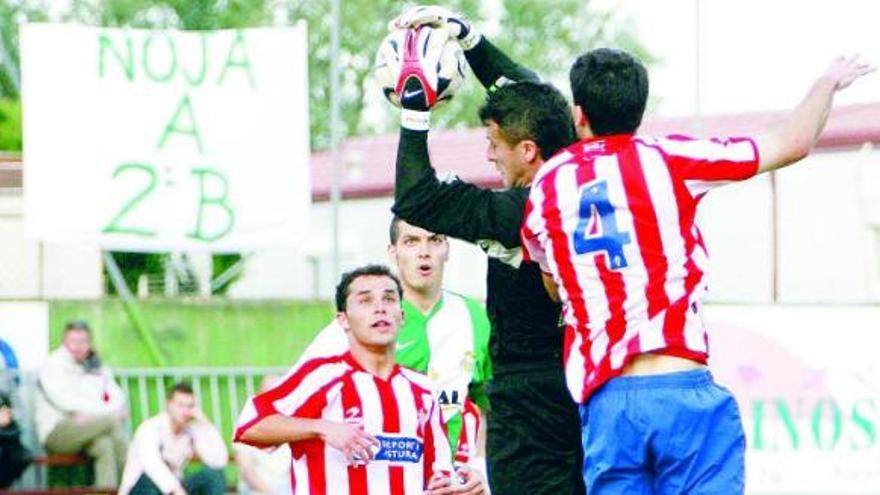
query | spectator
[81, 408]
[14, 458]
[164, 444]
[263, 472]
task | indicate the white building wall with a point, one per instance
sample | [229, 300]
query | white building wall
[829, 244]
[828, 251]
[828, 208]
[30, 269]
[306, 273]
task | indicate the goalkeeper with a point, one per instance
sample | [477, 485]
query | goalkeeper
[533, 434]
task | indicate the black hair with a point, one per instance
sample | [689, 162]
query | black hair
[179, 388]
[394, 229]
[364, 271]
[531, 110]
[77, 325]
[611, 87]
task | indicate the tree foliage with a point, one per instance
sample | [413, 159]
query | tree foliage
[545, 36]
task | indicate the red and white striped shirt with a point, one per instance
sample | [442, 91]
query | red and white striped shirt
[467, 437]
[613, 220]
[400, 412]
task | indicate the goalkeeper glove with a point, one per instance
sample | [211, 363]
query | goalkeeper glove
[455, 24]
[420, 85]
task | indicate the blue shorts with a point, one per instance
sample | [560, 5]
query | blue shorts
[663, 434]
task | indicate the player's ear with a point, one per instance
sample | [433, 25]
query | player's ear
[445, 255]
[581, 122]
[392, 254]
[342, 320]
[529, 150]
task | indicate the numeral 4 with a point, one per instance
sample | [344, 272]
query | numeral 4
[597, 230]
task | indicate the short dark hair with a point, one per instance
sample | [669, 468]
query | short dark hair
[77, 325]
[611, 87]
[531, 110]
[179, 388]
[364, 271]
[394, 229]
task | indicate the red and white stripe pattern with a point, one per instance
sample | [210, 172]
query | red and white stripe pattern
[338, 389]
[467, 437]
[652, 188]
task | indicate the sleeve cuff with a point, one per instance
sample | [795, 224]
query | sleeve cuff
[471, 40]
[415, 120]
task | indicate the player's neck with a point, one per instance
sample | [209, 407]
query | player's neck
[377, 362]
[424, 300]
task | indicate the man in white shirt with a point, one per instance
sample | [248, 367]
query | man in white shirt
[80, 407]
[164, 444]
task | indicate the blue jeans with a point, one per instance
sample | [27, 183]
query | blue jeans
[663, 434]
[205, 481]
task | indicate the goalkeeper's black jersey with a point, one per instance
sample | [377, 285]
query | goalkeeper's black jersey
[525, 321]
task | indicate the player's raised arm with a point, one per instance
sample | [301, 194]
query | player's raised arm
[454, 208]
[795, 137]
[491, 66]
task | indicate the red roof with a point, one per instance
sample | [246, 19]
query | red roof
[368, 162]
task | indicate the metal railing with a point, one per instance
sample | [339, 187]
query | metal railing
[220, 393]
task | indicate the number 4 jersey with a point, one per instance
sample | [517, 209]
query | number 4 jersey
[612, 219]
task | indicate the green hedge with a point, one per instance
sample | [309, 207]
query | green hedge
[10, 125]
[198, 333]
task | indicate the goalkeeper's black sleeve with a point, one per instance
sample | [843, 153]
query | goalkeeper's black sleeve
[454, 208]
[490, 64]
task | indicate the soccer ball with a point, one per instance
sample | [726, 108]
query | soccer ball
[426, 53]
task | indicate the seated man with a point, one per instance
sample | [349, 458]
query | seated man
[357, 422]
[81, 408]
[164, 444]
[14, 457]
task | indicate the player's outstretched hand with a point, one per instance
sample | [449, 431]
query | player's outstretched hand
[355, 444]
[844, 70]
[433, 15]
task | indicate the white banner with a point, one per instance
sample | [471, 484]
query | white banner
[141, 140]
[807, 380]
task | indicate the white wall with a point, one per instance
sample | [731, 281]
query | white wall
[829, 243]
[25, 327]
[29, 269]
[827, 250]
[306, 273]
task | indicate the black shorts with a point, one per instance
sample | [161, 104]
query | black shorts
[533, 439]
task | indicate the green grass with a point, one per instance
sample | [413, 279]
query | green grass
[198, 333]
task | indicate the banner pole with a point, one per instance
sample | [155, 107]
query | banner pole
[132, 310]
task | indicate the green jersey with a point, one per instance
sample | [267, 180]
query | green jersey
[450, 344]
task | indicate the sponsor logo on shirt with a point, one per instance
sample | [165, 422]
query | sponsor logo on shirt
[399, 449]
[449, 397]
[353, 416]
